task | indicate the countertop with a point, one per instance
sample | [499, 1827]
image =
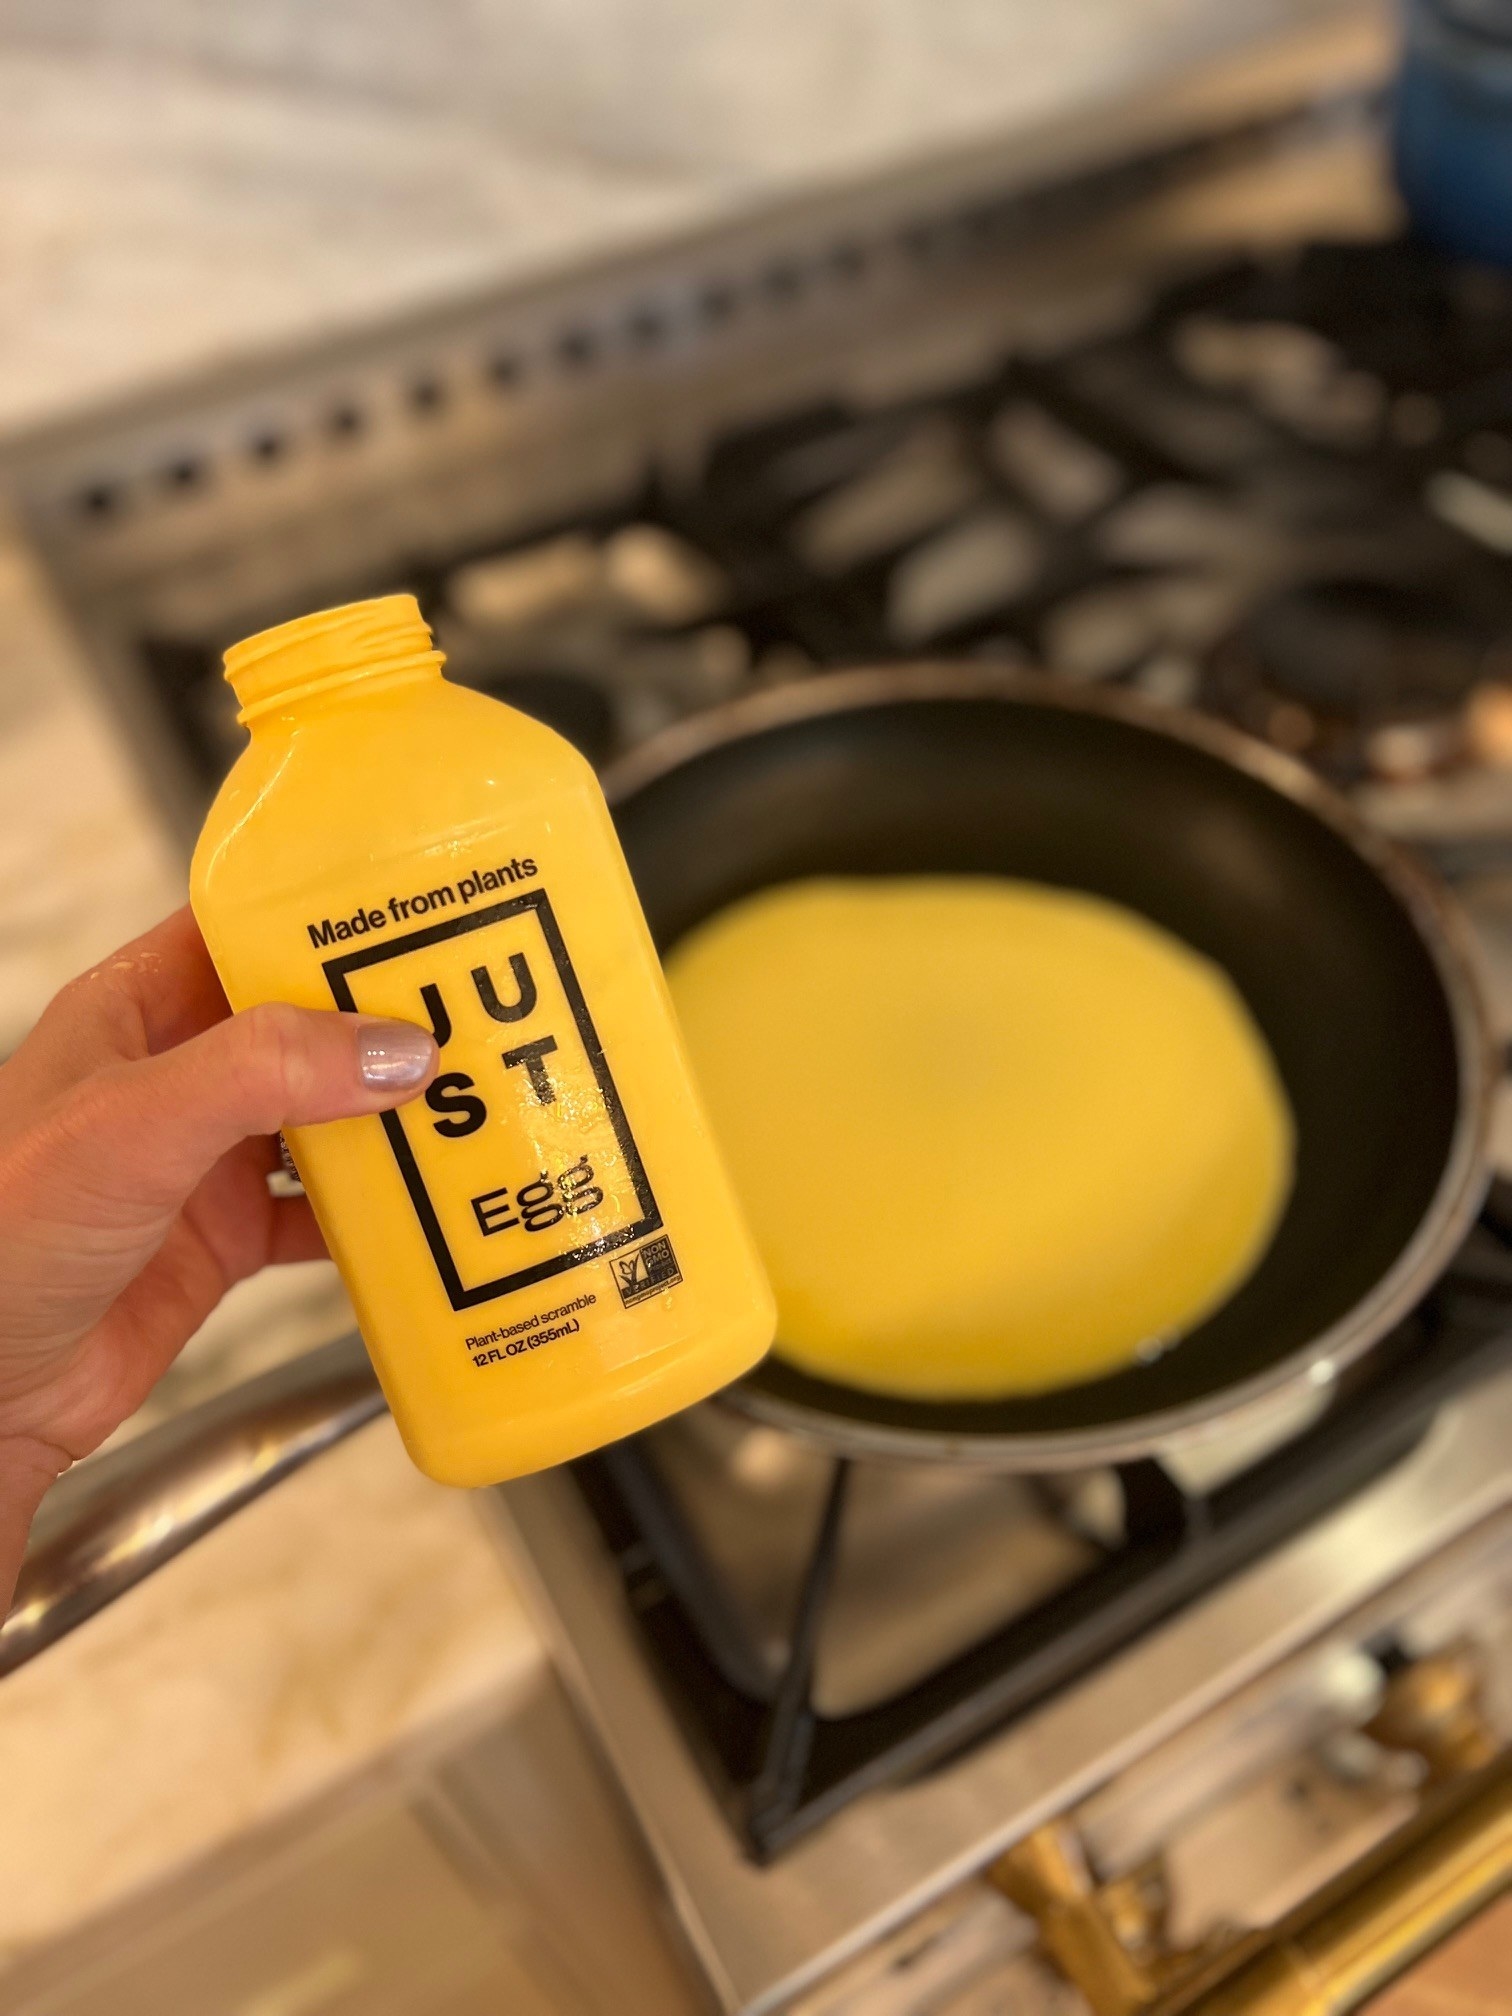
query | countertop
[181, 184]
[343, 1615]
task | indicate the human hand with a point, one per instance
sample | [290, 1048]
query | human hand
[136, 1138]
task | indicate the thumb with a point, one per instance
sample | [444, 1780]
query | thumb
[162, 1124]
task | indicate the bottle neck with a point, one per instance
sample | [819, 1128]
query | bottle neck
[335, 657]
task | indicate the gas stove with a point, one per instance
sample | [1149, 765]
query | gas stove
[1172, 403]
[1210, 1720]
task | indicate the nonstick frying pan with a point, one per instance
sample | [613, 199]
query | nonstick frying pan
[1346, 956]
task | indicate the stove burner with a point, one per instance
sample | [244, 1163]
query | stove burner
[1321, 666]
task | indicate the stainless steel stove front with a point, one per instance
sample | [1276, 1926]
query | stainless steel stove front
[1396, 1553]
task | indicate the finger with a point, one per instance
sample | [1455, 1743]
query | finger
[144, 1134]
[159, 1310]
[185, 1279]
[155, 991]
[167, 977]
[293, 1234]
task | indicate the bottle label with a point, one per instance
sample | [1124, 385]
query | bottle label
[519, 1160]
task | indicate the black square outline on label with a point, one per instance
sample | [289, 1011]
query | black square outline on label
[460, 1297]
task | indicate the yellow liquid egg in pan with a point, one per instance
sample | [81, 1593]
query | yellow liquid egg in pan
[992, 1137]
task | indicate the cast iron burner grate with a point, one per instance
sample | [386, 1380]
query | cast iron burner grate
[779, 1765]
[1280, 489]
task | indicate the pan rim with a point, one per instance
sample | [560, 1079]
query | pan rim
[1315, 1366]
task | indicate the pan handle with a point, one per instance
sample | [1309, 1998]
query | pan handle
[110, 1524]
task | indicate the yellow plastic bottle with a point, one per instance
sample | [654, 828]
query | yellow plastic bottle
[543, 1248]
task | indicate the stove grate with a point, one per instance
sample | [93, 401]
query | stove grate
[780, 1766]
[1280, 489]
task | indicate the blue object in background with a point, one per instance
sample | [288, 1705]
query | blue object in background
[1453, 125]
